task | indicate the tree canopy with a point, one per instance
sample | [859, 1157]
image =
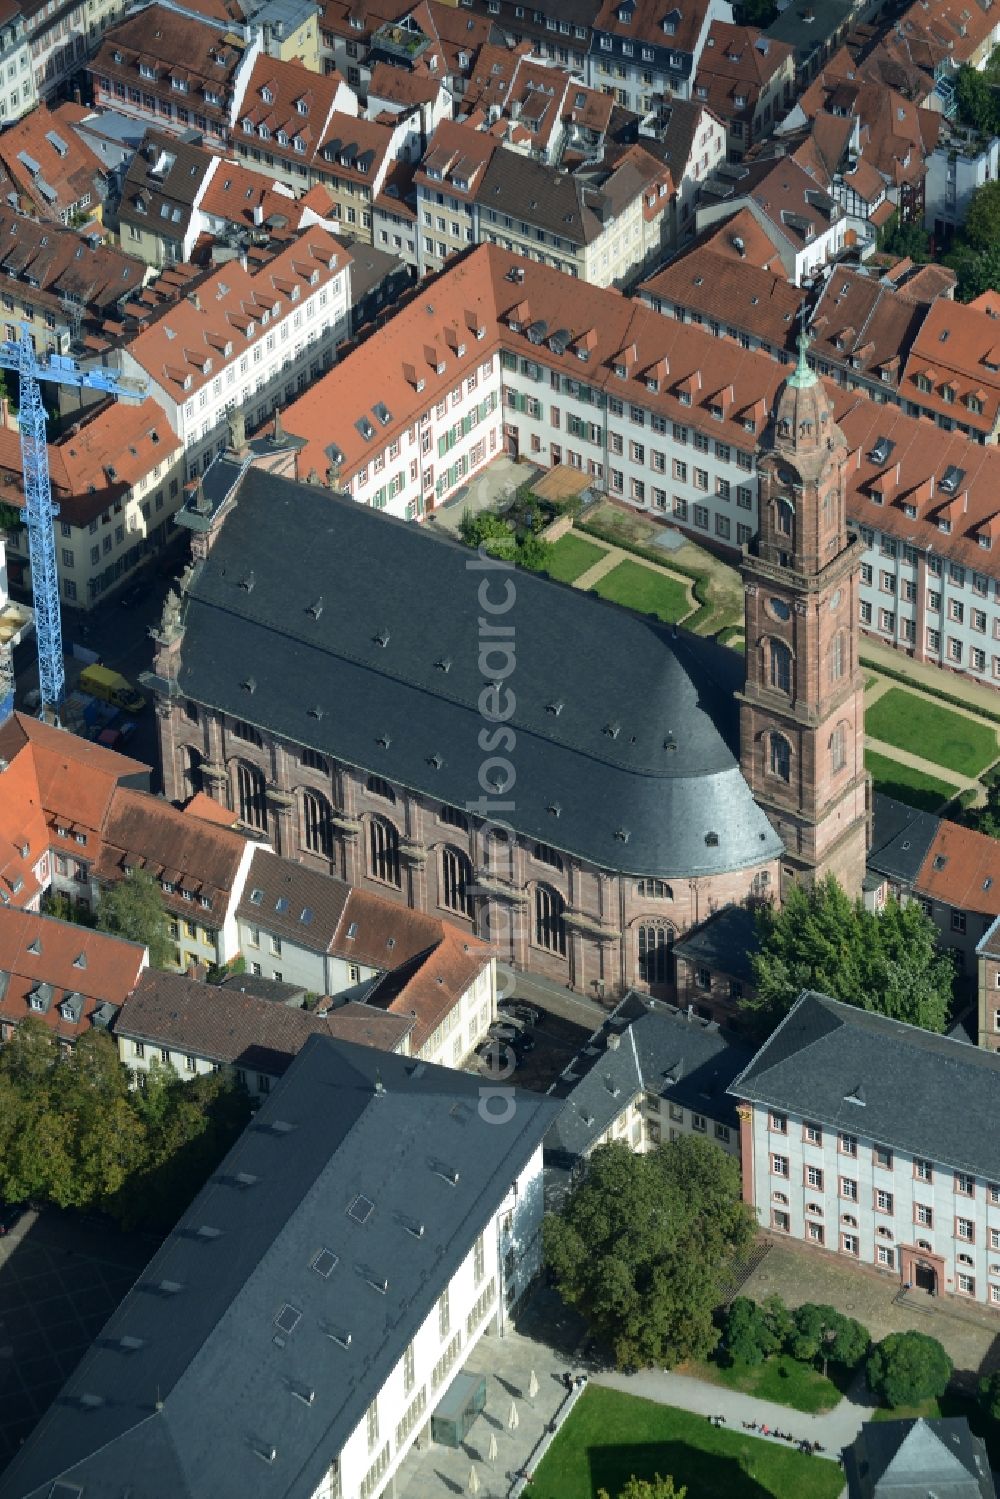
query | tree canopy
[813, 1333]
[645, 1488]
[975, 255]
[908, 1367]
[74, 1132]
[133, 908]
[886, 961]
[514, 541]
[642, 1242]
[977, 101]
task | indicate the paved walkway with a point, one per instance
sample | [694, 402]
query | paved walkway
[931, 679]
[834, 1430]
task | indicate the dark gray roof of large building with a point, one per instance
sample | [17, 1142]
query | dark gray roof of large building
[920, 1093]
[724, 942]
[901, 836]
[626, 732]
[915, 1459]
[643, 1047]
[211, 1377]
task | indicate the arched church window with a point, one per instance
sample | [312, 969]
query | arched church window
[780, 666]
[837, 654]
[550, 930]
[780, 757]
[654, 954]
[838, 748]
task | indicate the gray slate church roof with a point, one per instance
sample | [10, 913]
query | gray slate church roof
[917, 1459]
[209, 1361]
[332, 626]
[920, 1093]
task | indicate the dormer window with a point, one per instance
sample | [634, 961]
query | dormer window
[263, 132]
[146, 70]
[948, 393]
[302, 106]
[267, 96]
[923, 384]
[282, 138]
[299, 145]
[944, 525]
[179, 84]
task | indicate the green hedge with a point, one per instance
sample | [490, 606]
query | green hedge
[945, 697]
[728, 633]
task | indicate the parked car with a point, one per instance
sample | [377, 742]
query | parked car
[11, 1214]
[523, 1043]
[128, 728]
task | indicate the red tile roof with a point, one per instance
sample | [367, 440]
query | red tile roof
[76, 779]
[71, 970]
[185, 348]
[200, 859]
[45, 140]
[737, 63]
[957, 348]
[240, 196]
[962, 869]
[432, 344]
[97, 461]
[293, 104]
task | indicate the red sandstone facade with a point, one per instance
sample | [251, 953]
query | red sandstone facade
[802, 718]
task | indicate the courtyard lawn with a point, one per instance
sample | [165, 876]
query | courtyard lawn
[907, 784]
[931, 731]
[782, 1379]
[645, 589]
[611, 1436]
[571, 556]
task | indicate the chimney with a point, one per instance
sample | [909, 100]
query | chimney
[195, 300]
[614, 1041]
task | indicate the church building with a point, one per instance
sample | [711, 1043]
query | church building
[574, 783]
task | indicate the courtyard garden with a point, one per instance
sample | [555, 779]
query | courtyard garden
[571, 556]
[646, 589]
[610, 1436]
[908, 784]
[921, 727]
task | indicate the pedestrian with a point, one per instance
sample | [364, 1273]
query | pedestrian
[764, 1429]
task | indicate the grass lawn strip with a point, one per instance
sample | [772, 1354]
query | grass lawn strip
[645, 589]
[907, 784]
[571, 556]
[781, 1378]
[934, 733]
[610, 1436]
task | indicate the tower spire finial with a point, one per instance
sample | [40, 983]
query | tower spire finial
[804, 375]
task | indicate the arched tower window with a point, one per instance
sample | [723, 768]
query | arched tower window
[780, 664]
[251, 796]
[654, 954]
[784, 517]
[456, 881]
[838, 654]
[383, 852]
[780, 757]
[550, 929]
[317, 824]
[838, 748]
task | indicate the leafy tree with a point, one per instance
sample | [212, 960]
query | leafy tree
[56, 903]
[640, 1245]
[824, 1335]
[977, 101]
[749, 1332]
[106, 1138]
[644, 1488]
[34, 1136]
[188, 1126]
[489, 531]
[758, 12]
[908, 1367]
[899, 238]
[132, 908]
[982, 218]
[989, 1394]
[534, 553]
[886, 961]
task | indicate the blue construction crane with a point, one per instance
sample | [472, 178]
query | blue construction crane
[39, 511]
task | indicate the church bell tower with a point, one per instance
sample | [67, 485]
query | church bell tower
[802, 708]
